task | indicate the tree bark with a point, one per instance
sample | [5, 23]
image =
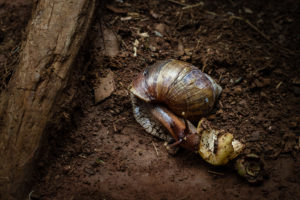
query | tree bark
[55, 35]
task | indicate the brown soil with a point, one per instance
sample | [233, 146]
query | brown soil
[102, 153]
[14, 16]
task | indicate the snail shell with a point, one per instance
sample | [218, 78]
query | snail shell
[182, 87]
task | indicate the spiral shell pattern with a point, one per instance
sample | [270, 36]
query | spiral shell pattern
[182, 87]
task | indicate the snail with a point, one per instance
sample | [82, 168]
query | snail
[169, 96]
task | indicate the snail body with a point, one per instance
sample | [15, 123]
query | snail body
[170, 94]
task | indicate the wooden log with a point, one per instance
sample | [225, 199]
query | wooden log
[54, 36]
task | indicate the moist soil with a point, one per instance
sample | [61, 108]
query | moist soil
[250, 48]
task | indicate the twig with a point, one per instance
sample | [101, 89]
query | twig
[193, 6]
[82, 156]
[217, 173]
[178, 3]
[115, 128]
[279, 84]
[155, 148]
[210, 13]
[203, 67]
[220, 78]
[29, 196]
[124, 44]
[15, 50]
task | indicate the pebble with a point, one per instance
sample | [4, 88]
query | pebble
[89, 171]
[104, 88]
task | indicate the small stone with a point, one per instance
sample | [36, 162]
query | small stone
[158, 34]
[263, 94]
[248, 10]
[255, 136]
[213, 116]
[160, 28]
[262, 83]
[152, 48]
[186, 58]
[110, 43]
[104, 88]
[219, 112]
[237, 90]
[66, 169]
[266, 81]
[180, 49]
[154, 14]
[243, 103]
[89, 171]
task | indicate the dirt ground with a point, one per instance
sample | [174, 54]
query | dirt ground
[250, 47]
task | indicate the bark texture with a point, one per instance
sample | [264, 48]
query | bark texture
[55, 35]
